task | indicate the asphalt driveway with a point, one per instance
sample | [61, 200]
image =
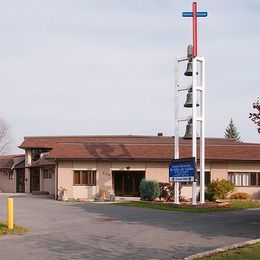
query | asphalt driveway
[62, 230]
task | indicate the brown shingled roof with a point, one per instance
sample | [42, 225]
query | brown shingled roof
[51, 141]
[7, 161]
[150, 151]
[138, 148]
[41, 162]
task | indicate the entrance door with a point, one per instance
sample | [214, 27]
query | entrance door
[34, 179]
[20, 178]
[126, 183]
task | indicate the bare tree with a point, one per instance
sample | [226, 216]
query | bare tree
[255, 116]
[5, 137]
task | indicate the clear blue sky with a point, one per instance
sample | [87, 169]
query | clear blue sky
[107, 66]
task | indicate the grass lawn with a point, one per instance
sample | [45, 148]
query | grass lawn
[247, 252]
[18, 230]
[195, 209]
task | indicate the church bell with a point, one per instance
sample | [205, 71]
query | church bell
[188, 102]
[188, 71]
[188, 133]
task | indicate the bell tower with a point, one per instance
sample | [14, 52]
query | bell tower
[195, 102]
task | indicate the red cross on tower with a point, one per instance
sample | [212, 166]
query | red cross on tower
[195, 14]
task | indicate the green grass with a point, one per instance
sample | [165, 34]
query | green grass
[17, 230]
[245, 204]
[235, 205]
[243, 253]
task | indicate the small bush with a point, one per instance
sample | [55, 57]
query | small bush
[167, 191]
[219, 189]
[208, 196]
[149, 190]
[240, 196]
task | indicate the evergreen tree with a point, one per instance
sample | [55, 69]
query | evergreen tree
[232, 132]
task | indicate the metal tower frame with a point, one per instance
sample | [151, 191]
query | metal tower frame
[198, 118]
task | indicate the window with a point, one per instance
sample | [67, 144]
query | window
[207, 178]
[245, 178]
[47, 173]
[76, 177]
[87, 178]
[36, 153]
[11, 175]
[253, 178]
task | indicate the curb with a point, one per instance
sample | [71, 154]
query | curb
[222, 249]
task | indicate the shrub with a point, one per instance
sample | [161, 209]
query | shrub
[149, 190]
[240, 196]
[208, 196]
[167, 191]
[219, 189]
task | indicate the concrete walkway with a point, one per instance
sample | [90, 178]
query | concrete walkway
[62, 230]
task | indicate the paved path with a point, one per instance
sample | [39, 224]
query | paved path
[92, 231]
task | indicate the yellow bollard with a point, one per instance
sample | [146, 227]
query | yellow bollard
[10, 213]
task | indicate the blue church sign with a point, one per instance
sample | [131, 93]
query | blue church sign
[183, 170]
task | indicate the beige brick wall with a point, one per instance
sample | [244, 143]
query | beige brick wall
[104, 177]
[219, 170]
[158, 171]
[253, 191]
[123, 166]
[7, 185]
[84, 192]
[65, 177]
[84, 165]
[41, 180]
[48, 184]
[186, 191]
[153, 170]
[28, 160]
[244, 167]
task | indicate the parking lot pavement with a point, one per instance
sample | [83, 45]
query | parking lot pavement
[62, 230]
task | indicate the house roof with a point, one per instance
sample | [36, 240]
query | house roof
[7, 162]
[20, 165]
[41, 163]
[138, 148]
